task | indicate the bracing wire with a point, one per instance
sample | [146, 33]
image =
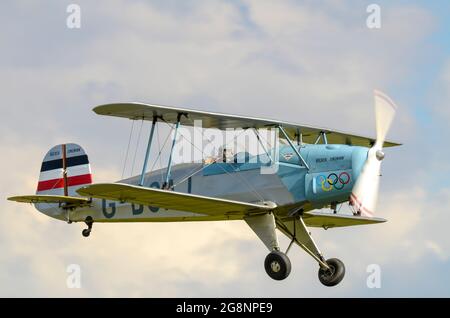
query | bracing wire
[196, 171]
[137, 146]
[269, 144]
[128, 148]
[251, 188]
[159, 153]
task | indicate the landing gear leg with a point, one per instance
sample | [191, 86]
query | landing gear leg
[276, 264]
[331, 271]
[89, 221]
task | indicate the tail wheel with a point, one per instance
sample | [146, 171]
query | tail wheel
[334, 275]
[277, 265]
[89, 222]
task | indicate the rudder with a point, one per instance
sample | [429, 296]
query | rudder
[65, 169]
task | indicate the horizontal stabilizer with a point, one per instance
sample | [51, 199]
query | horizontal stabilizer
[328, 220]
[60, 199]
[171, 200]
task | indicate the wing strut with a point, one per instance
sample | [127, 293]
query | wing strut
[299, 137]
[293, 147]
[322, 135]
[147, 153]
[169, 165]
[262, 145]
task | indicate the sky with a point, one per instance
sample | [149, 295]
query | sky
[312, 62]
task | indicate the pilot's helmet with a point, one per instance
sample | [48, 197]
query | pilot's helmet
[224, 154]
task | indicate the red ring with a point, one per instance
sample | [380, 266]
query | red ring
[340, 177]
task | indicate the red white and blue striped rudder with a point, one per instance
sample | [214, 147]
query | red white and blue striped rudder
[65, 169]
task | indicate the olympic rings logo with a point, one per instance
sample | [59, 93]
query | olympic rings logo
[333, 181]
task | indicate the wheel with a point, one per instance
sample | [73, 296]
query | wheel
[334, 275]
[277, 265]
[86, 232]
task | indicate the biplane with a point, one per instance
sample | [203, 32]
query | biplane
[311, 172]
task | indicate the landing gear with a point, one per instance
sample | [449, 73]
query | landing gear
[277, 265]
[89, 221]
[334, 274]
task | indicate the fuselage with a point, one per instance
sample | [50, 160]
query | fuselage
[333, 170]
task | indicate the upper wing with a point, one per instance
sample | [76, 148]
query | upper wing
[328, 220]
[171, 200]
[69, 201]
[224, 121]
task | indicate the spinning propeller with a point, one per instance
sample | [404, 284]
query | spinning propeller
[365, 192]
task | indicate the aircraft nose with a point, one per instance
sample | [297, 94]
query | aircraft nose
[359, 157]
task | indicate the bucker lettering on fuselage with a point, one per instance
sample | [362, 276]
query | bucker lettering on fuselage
[320, 160]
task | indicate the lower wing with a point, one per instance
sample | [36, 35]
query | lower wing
[171, 200]
[328, 220]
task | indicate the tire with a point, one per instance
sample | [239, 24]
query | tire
[86, 232]
[277, 265]
[333, 276]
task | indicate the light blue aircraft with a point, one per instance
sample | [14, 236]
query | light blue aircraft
[280, 189]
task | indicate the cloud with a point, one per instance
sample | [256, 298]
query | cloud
[436, 249]
[308, 62]
[441, 94]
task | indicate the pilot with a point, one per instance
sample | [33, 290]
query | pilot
[224, 155]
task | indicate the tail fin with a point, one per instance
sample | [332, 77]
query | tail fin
[65, 169]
